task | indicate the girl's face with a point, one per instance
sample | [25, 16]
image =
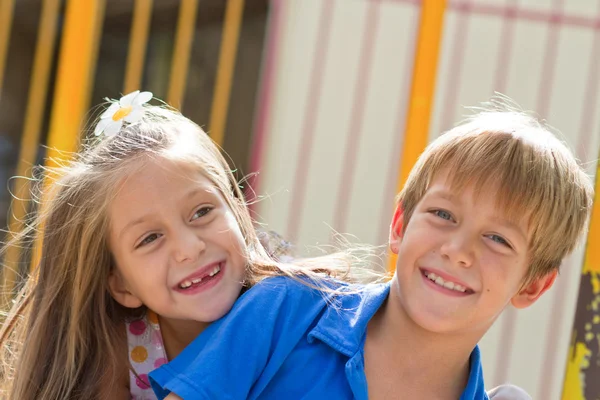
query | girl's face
[177, 245]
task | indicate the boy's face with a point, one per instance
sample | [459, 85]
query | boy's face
[461, 260]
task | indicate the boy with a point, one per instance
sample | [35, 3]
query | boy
[485, 218]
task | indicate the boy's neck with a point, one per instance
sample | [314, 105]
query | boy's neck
[178, 334]
[402, 357]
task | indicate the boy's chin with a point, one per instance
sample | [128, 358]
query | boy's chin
[437, 320]
[454, 325]
[437, 324]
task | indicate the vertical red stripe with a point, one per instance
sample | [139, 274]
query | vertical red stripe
[558, 305]
[507, 337]
[591, 97]
[396, 149]
[546, 374]
[313, 101]
[507, 331]
[361, 86]
[547, 78]
[456, 62]
[265, 98]
[506, 45]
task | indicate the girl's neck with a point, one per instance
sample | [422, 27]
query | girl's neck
[177, 334]
[417, 361]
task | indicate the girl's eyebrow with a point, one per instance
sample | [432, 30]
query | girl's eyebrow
[199, 190]
[189, 195]
[133, 223]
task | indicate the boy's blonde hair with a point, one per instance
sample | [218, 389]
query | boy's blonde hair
[535, 175]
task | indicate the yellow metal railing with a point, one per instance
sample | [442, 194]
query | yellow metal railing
[76, 68]
[181, 56]
[36, 103]
[138, 43]
[7, 8]
[77, 60]
[225, 68]
[422, 90]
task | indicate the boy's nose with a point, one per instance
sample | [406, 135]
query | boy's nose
[459, 249]
[188, 246]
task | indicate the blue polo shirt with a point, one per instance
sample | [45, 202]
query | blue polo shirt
[285, 340]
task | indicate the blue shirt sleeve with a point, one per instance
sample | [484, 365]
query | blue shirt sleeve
[252, 340]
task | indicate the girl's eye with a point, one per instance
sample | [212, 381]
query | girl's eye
[499, 240]
[148, 239]
[442, 214]
[201, 212]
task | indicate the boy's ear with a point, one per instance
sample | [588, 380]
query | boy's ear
[118, 290]
[534, 289]
[396, 229]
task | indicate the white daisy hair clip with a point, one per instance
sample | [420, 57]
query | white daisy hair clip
[130, 109]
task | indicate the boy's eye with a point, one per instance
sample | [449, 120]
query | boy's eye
[499, 240]
[201, 212]
[442, 214]
[148, 239]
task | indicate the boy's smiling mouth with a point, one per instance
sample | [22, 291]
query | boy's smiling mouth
[446, 285]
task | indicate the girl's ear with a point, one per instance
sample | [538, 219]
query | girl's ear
[119, 291]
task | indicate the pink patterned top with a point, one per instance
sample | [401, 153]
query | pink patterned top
[146, 352]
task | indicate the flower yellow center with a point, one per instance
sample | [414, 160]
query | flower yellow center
[122, 113]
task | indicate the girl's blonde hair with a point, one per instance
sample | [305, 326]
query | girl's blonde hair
[65, 333]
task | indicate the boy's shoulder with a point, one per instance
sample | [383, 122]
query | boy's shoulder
[329, 309]
[508, 392]
[280, 295]
[305, 300]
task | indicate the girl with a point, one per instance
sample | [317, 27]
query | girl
[148, 216]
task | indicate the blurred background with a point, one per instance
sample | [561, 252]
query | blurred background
[320, 97]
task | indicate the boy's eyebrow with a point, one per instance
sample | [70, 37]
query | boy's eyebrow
[444, 195]
[510, 224]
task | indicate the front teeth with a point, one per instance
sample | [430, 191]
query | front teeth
[187, 284]
[215, 271]
[441, 282]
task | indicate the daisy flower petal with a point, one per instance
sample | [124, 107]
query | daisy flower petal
[141, 98]
[127, 100]
[102, 124]
[134, 116]
[110, 111]
[129, 109]
[113, 128]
